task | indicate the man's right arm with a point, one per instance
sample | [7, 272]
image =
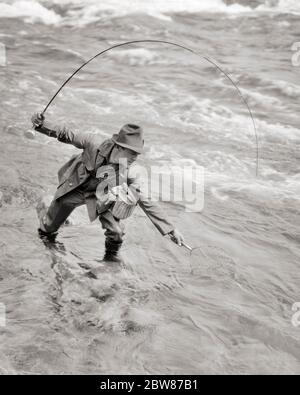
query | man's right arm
[64, 135]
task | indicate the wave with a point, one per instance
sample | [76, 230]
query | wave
[83, 12]
[287, 88]
[281, 6]
[30, 11]
[272, 86]
[190, 6]
[141, 57]
[157, 7]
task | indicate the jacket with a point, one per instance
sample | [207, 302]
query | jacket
[77, 170]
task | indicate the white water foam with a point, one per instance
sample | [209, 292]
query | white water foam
[30, 11]
[191, 6]
[82, 12]
[281, 6]
[155, 7]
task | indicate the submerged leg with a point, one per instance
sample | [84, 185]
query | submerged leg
[52, 218]
[114, 232]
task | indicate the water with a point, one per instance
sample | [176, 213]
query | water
[228, 308]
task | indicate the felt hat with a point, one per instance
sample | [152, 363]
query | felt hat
[131, 137]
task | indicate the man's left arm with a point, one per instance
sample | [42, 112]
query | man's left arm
[156, 216]
[159, 219]
[154, 212]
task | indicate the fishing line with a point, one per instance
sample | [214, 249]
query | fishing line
[212, 62]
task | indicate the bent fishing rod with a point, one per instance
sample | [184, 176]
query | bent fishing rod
[209, 60]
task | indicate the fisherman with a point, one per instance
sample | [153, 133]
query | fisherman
[79, 182]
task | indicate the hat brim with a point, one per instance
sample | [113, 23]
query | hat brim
[135, 149]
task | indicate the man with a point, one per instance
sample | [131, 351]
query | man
[78, 183]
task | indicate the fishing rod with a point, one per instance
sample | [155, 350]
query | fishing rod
[209, 60]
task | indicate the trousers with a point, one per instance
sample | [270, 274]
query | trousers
[60, 209]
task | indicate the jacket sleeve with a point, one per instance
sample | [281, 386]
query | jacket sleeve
[78, 139]
[64, 135]
[47, 131]
[150, 208]
[156, 215]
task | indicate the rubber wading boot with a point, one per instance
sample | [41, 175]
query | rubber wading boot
[112, 251]
[112, 254]
[47, 237]
[41, 209]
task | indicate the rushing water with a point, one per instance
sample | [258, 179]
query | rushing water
[226, 309]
